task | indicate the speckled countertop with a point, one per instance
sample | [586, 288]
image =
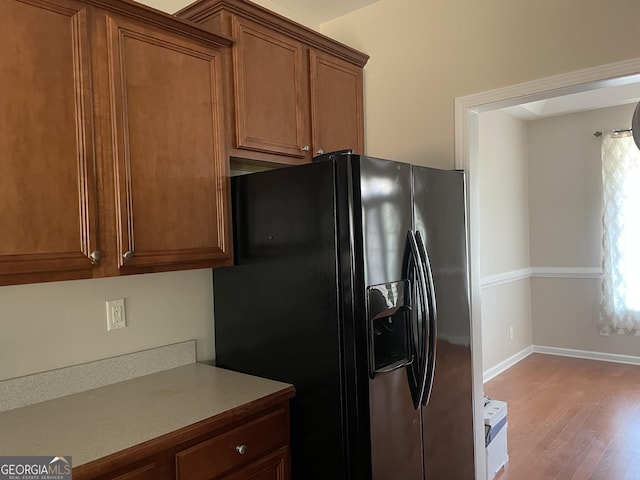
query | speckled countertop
[105, 420]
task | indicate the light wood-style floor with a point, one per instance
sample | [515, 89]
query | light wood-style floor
[570, 419]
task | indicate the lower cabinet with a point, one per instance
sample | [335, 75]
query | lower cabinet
[239, 446]
[271, 467]
[255, 447]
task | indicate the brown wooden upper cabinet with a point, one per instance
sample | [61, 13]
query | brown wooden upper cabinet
[112, 141]
[48, 208]
[296, 93]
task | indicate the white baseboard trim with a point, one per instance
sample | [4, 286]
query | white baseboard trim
[602, 356]
[506, 364]
[562, 352]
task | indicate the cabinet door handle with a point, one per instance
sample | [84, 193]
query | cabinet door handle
[128, 255]
[241, 449]
[305, 148]
[95, 256]
[320, 152]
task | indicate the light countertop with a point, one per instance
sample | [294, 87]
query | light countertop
[105, 420]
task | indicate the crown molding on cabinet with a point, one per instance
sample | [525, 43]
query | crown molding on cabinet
[201, 10]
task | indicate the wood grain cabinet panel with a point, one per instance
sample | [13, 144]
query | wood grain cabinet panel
[296, 92]
[47, 186]
[239, 446]
[271, 467]
[112, 142]
[336, 104]
[170, 163]
[267, 98]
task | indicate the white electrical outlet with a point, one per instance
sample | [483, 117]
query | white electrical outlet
[116, 317]
[510, 333]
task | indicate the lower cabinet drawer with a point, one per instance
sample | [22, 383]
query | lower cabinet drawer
[274, 466]
[234, 448]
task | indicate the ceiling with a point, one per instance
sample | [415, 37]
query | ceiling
[320, 11]
[577, 102]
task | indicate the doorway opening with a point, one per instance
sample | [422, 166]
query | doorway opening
[468, 111]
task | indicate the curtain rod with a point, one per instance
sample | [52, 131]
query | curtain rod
[599, 133]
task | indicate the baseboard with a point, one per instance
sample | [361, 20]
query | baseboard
[563, 352]
[506, 364]
[602, 356]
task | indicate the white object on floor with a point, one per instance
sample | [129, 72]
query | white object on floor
[495, 428]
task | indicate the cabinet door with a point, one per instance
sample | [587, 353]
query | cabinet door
[271, 467]
[336, 104]
[171, 173]
[47, 186]
[268, 90]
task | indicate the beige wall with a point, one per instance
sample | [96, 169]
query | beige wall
[171, 6]
[425, 54]
[53, 325]
[565, 313]
[504, 235]
[503, 306]
[503, 173]
[565, 187]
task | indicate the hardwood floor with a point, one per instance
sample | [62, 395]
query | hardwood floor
[570, 419]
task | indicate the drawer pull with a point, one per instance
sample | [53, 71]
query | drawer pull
[241, 449]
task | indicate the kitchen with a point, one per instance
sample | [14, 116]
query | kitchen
[423, 56]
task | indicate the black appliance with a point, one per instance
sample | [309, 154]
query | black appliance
[350, 282]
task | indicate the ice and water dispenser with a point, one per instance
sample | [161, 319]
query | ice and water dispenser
[389, 310]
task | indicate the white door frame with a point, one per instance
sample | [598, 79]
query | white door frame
[467, 109]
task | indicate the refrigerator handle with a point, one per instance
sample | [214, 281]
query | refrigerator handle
[423, 291]
[433, 319]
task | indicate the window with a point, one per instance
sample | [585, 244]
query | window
[620, 308]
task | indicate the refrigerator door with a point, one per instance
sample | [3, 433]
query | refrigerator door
[440, 220]
[383, 210]
[277, 312]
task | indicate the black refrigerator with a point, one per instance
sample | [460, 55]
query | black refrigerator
[350, 282]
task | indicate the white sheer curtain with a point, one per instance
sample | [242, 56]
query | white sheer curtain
[620, 307]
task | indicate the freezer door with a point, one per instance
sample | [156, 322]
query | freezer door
[440, 221]
[277, 310]
[383, 202]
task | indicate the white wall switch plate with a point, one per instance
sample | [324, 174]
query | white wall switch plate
[116, 317]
